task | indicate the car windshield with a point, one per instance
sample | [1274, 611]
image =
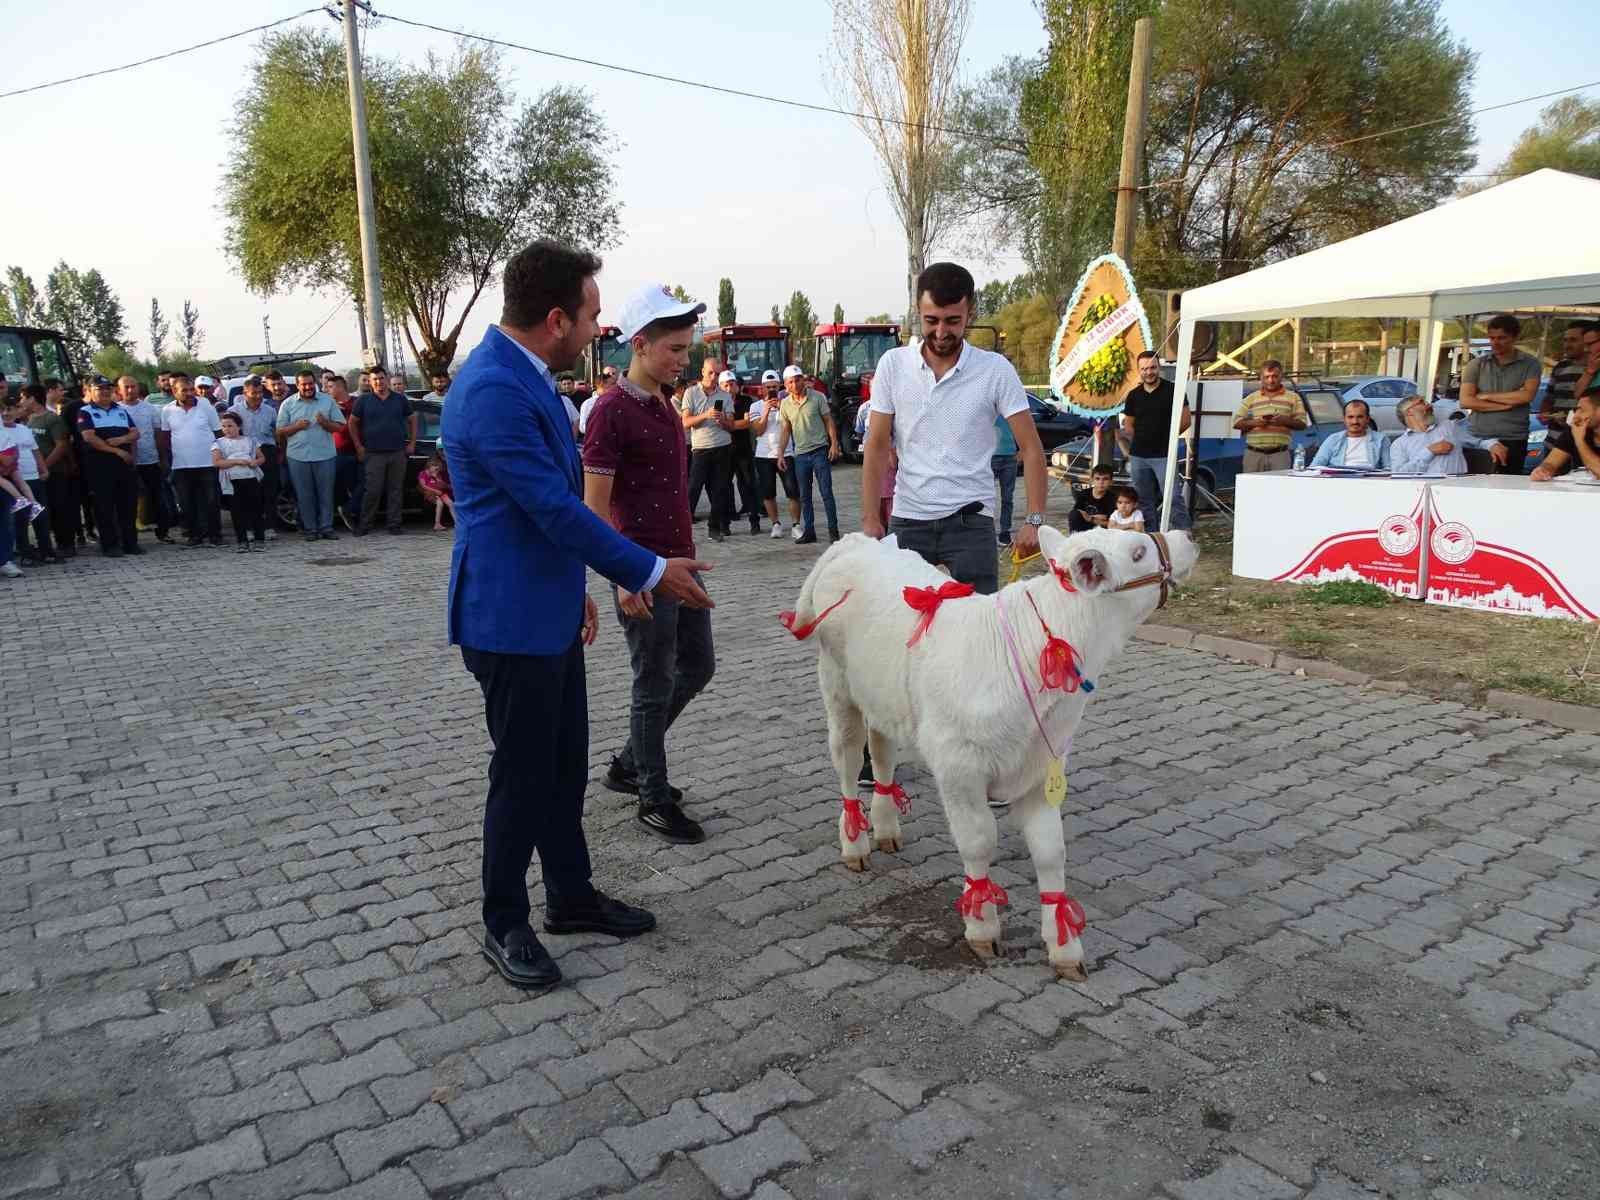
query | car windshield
[1325, 407]
[614, 352]
[860, 352]
[748, 359]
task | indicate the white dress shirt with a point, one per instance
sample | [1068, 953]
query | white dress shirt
[944, 430]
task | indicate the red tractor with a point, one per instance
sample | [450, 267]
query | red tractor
[847, 355]
[748, 350]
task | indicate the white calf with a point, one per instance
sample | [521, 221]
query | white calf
[987, 689]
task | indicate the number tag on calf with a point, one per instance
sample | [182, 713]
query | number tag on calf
[1055, 783]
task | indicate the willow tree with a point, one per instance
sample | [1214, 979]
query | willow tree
[463, 177]
[897, 63]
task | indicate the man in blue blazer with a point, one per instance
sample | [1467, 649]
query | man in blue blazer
[519, 608]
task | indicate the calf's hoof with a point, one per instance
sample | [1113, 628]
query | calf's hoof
[987, 951]
[856, 864]
[1072, 971]
[890, 844]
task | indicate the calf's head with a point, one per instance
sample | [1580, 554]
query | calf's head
[1104, 561]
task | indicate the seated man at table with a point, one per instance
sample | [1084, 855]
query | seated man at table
[1432, 447]
[1578, 445]
[1358, 444]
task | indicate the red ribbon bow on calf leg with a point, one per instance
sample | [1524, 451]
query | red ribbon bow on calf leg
[898, 794]
[855, 821]
[1070, 921]
[979, 891]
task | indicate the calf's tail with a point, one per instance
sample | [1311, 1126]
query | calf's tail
[803, 621]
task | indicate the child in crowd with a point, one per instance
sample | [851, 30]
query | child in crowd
[1127, 516]
[434, 480]
[238, 461]
[1092, 506]
[11, 481]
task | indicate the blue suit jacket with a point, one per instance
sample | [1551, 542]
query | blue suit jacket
[523, 534]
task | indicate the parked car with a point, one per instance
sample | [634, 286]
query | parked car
[1380, 392]
[428, 412]
[1056, 425]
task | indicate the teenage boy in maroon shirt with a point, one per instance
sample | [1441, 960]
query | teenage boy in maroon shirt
[636, 476]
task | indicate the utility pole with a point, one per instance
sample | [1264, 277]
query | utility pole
[266, 332]
[366, 209]
[1132, 142]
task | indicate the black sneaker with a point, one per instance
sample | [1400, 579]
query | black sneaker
[627, 782]
[328, 535]
[521, 959]
[600, 915]
[133, 549]
[806, 539]
[669, 824]
[718, 536]
[755, 528]
[834, 535]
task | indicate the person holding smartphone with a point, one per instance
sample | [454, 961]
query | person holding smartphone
[710, 445]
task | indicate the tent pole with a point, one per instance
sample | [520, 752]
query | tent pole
[1430, 334]
[1295, 367]
[1180, 396]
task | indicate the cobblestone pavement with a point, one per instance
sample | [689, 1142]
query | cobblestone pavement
[1342, 942]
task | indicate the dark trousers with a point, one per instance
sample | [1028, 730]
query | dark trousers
[673, 660]
[271, 483]
[744, 474]
[385, 477]
[713, 471]
[964, 544]
[42, 545]
[65, 519]
[814, 464]
[537, 709]
[1004, 467]
[349, 486]
[115, 491]
[200, 501]
[246, 511]
[153, 487]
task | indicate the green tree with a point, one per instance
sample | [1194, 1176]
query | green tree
[84, 308]
[882, 318]
[838, 314]
[190, 335]
[160, 329]
[463, 176]
[20, 298]
[1566, 137]
[116, 360]
[727, 310]
[1030, 326]
[681, 294]
[801, 319]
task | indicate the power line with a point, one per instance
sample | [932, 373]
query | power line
[217, 41]
[337, 308]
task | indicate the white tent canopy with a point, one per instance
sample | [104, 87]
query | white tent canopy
[1516, 245]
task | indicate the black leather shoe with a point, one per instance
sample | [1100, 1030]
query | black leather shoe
[806, 539]
[521, 959]
[669, 824]
[627, 782]
[601, 915]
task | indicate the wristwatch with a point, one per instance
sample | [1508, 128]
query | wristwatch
[1034, 519]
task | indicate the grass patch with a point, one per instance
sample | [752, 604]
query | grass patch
[1302, 637]
[1346, 593]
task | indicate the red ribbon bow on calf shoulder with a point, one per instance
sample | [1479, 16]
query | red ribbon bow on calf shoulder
[977, 893]
[1070, 921]
[926, 600]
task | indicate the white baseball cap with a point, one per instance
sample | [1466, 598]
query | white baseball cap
[205, 381]
[727, 377]
[651, 303]
[791, 372]
[769, 376]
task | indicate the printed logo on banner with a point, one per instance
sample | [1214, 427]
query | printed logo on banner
[1398, 535]
[1453, 543]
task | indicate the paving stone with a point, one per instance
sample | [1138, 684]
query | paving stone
[969, 1000]
[215, 1115]
[481, 1107]
[397, 1184]
[1237, 1179]
[357, 1033]
[740, 1110]
[97, 1009]
[589, 1166]
[441, 1083]
[297, 1018]
[684, 1126]
[501, 1149]
[545, 1042]
[164, 1178]
[577, 1075]
[324, 1081]
[364, 1151]
[557, 1128]
[924, 1135]
[186, 1018]
[734, 1167]
[288, 1133]
[314, 1170]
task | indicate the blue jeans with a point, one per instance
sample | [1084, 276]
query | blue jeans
[1147, 474]
[673, 660]
[814, 464]
[1004, 467]
[6, 536]
[313, 492]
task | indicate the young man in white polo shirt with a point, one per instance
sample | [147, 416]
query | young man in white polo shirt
[936, 404]
[191, 427]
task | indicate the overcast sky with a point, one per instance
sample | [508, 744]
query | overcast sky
[773, 197]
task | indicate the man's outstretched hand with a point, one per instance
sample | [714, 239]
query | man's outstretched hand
[679, 582]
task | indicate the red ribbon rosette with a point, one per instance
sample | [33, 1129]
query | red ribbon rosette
[926, 600]
[977, 893]
[1070, 921]
[855, 821]
[898, 793]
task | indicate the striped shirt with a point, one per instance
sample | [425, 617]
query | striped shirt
[1563, 380]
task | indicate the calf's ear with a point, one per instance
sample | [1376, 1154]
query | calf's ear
[1089, 570]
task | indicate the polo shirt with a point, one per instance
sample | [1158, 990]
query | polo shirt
[49, 430]
[944, 430]
[1489, 374]
[807, 429]
[314, 444]
[636, 439]
[1257, 406]
[113, 422]
[146, 419]
[383, 420]
[709, 436]
[260, 424]
[192, 431]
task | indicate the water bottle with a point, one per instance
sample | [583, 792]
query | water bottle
[1299, 458]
